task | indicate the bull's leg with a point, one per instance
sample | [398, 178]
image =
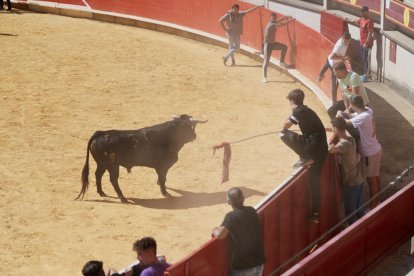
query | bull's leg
[162, 178]
[100, 170]
[114, 175]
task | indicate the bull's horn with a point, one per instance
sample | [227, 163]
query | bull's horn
[198, 121]
[175, 117]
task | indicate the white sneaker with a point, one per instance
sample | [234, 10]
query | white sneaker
[284, 65]
[264, 80]
[302, 163]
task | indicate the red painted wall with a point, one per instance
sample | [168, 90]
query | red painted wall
[368, 240]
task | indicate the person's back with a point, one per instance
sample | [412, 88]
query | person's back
[244, 228]
[312, 128]
[155, 270]
[246, 236]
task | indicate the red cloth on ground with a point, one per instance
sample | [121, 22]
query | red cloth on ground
[226, 160]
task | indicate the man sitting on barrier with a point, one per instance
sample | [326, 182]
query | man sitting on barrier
[243, 226]
[311, 146]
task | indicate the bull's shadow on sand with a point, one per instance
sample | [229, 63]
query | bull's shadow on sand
[184, 200]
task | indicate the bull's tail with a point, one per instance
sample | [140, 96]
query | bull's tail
[85, 171]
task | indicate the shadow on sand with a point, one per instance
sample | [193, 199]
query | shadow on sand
[184, 200]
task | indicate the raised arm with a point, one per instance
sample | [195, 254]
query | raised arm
[252, 9]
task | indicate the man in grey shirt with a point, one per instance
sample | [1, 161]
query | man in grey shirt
[270, 44]
[234, 28]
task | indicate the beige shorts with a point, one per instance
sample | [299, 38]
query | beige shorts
[369, 165]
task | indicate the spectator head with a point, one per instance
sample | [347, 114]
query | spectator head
[357, 101]
[296, 96]
[235, 197]
[93, 268]
[340, 70]
[235, 8]
[339, 124]
[365, 11]
[346, 38]
[273, 17]
[146, 249]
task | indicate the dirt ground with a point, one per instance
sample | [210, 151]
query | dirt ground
[62, 79]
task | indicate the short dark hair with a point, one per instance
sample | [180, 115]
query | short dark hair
[357, 101]
[346, 35]
[273, 14]
[339, 123]
[297, 96]
[92, 268]
[235, 6]
[364, 9]
[145, 244]
[340, 66]
[235, 197]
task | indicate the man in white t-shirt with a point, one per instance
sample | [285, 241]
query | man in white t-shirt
[338, 54]
[369, 149]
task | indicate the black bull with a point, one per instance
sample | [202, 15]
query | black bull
[154, 147]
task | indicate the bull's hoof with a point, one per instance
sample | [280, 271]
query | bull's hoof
[124, 200]
[165, 193]
[102, 194]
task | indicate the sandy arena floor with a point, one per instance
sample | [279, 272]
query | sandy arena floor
[62, 79]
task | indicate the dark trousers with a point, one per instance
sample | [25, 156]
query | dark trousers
[9, 6]
[340, 106]
[267, 52]
[308, 149]
[366, 57]
[334, 83]
[352, 197]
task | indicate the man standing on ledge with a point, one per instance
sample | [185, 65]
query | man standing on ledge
[234, 21]
[311, 146]
[270, 44]
[243, 226]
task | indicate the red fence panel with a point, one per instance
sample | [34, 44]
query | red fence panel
[366, 242]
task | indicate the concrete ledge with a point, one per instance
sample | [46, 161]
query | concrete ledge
[104, 17]
[145, 25]
[76, 13]
[43, 9]
[125, 21]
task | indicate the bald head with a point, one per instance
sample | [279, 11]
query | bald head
[235, 197]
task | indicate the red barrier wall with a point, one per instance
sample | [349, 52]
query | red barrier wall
[368, 240]
[286, 227]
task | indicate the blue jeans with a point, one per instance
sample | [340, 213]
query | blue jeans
[234, 45]
[366, 57]
[352, 200]
[254, 271]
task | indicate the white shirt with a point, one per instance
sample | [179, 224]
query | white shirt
[339, 49]
[365, 123]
